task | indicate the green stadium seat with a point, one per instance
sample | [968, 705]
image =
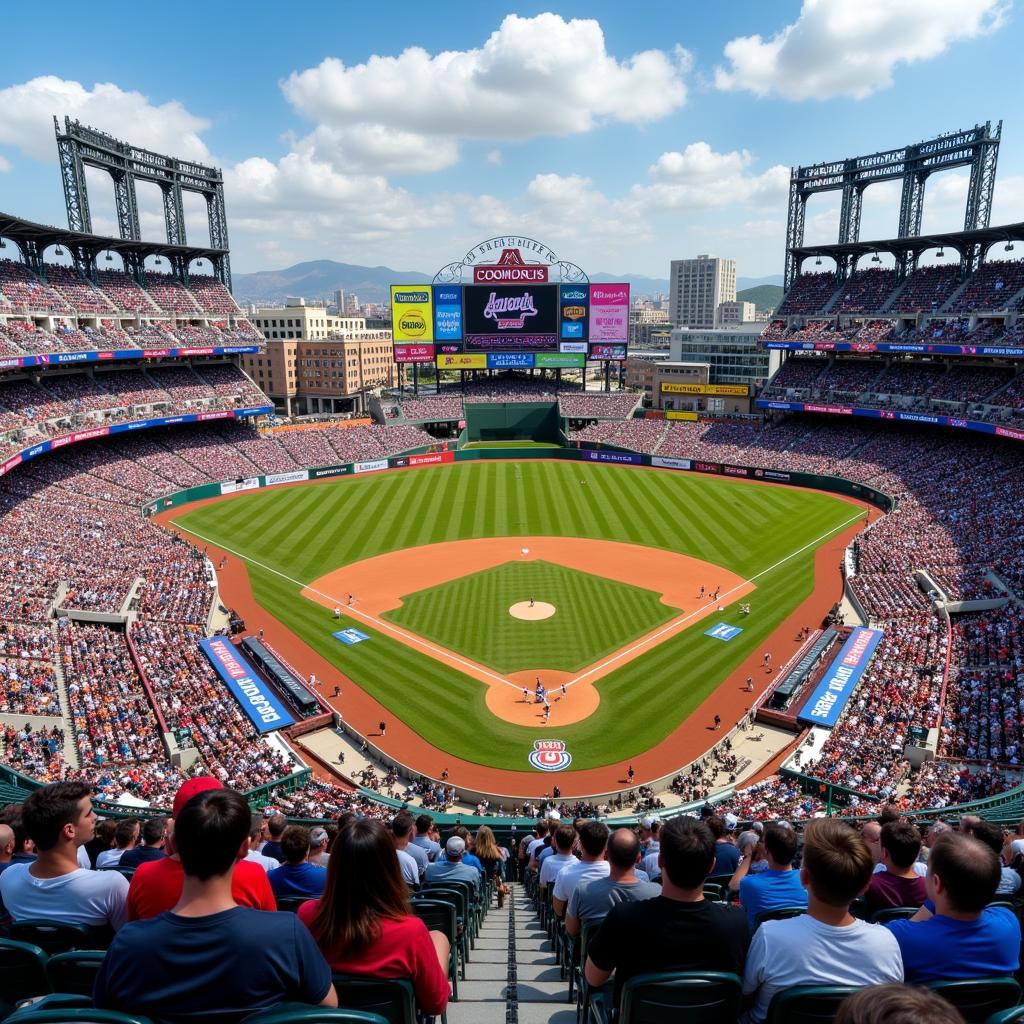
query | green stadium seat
[22, 973]
[393, 998]
[52, 936]
[82, 1015]
[978, 998]
[808, 1004]
[301, 1014]
[1015, 1015]
[439, 916]
[893, 914]
[779, 914]
[75, 971]
[665, 998]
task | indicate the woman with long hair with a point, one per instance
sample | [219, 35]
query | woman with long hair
[363, 924]
[490, 856]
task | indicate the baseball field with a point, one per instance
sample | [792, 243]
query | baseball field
[617, 552]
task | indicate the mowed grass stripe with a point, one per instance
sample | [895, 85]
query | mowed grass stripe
[642, 701]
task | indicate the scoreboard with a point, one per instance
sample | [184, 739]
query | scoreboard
[504, 325]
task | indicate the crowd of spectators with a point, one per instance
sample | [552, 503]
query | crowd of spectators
[928, 288]
[582, 405]
[865, 291]
[992, 286]
[808, 293]
[433, 408]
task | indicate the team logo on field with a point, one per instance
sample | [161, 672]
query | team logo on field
[550, 756]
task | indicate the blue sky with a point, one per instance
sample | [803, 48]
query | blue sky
[623, 135]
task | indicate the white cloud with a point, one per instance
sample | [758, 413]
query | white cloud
[532, 77]
[851, 47]
[494, 157]
[375, 149]
[698, 162]
[5, 165]
[27, 110]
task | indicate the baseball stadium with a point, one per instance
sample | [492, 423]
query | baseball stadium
[509, 589]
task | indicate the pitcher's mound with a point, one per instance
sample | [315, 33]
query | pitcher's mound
[539, 610]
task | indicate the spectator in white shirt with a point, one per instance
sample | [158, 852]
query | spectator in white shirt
[564, 837]
[255, 842]
[126, 835]
[593, 841]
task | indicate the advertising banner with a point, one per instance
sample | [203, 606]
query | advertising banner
[319, 474]
[680, 414]
[553, 359]
[737, 390]
[723, 631]
[431, 459]
[234, 486]
[350, 636]
[447, 312]
[921, 348]
[509, 360]
[414, 353]
[574, 309]
[286, 478]
[463, 361]
[612, 352]
[412, 314]
[513, 317]
[666, 463]
[253, 695]
[60, 358]
[824, 706]
[609, 312]
[575, 347]
[629, 458]
[373, 466]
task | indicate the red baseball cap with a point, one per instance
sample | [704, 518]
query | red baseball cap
[189, 789]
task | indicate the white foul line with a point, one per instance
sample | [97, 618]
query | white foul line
[418, 641]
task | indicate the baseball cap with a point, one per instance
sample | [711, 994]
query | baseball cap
[200, 784]
[317, 836]
[731, 821]
[455, 846]
[783, 824]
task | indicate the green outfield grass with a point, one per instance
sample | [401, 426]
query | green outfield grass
[594, 616]
[295, 535]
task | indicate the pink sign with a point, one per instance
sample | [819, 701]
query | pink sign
[609, 312]
[414, 353]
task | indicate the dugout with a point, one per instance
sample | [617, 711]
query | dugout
[513, 421]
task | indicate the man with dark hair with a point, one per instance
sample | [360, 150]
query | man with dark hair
[827, 945]
[156, 886]
[208, 958]
[276, 824]
[899, 885]
[677, 931]
[126, 835]
[775, 888]
[591, 901]
[60, 820]
[561, 856]
[993, 836]
[955, 935]
[593, 840]
[402, 825]
[424, 823]
[727, 856]
[255, 842]
[296, 876]
[154, 836]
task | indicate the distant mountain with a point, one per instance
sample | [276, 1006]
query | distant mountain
[320, 279]
[638, 284]
[753, 282]
[764, 296]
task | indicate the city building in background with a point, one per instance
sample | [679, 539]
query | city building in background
[697, 287]
[732, 353]
[736, 312]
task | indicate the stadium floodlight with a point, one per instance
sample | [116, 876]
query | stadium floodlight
[58, 251]
[940, 254]
[876, 258]
[1009, 247]
[817, 262]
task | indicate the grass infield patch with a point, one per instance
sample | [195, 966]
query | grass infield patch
[594, 616]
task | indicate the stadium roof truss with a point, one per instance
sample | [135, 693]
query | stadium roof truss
[79, 146]
[976, 147]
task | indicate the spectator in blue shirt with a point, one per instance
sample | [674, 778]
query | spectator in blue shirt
[154, 835]
[727, 857]
[775, 888]
[962, 938]
[209, 959]
[296, 876]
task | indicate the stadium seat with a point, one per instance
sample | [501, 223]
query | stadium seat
[584, 993]
[53, 936]
[691, 996]
[779, 914]
[1014, 1015]
[22, 973]
[439, 916]
[978, 998]
[300, 1014]
[291, 903]
[893, 914]
[808, 1004]
[82, 1015]
[74, 971]
[393, 998]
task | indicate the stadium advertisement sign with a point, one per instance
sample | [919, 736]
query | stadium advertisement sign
[447, 313]
[609, 312]
[837, 685]
[680, 414]
[628, 458]
[921, 348]
[255, 699]
[272, 479]
[509, 360]
[554, 359]
[574, 309]
[514, 317]
[665, 463]
[610, 352]
[431, 459]
[325, 471]
[549, 756]
[414, 353]
[463, 361]
[574, 347]
[510, 268]
[738, 390]
[250, 483]
[58, 358]
[412, 314]
[723, 631]
[372, 466]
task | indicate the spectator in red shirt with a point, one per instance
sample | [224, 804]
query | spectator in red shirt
[362, 922]
[899, 885]
[157, 886]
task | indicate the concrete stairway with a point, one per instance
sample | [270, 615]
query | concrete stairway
[512, 976]
[70, 748]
